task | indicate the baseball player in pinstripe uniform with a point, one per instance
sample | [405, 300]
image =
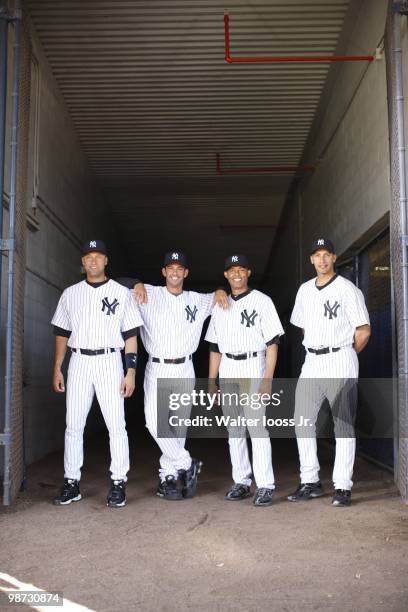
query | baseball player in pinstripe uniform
[95, 318]
[243, 349]
[172, 324]
[332, 314]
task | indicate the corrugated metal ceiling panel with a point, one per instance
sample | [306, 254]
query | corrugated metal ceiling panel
[153, 99]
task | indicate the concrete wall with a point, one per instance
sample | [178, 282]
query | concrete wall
[349, 192]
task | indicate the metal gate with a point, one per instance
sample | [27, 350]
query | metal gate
[398, 228]
[13, 246]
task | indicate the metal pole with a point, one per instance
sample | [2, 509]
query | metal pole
[3, 101]
[11, 249]
[403, 202]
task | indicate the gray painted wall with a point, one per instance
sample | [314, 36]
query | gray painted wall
[69, 208]
[349, 192]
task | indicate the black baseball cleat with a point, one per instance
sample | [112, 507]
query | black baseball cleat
[69, 493]
[238, 491]
[263, 497]
[305, 491]
[160, 489]
[170, 488]
[341, 497]
[117, 494]
[190, 477]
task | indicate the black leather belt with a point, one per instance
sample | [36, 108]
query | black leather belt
[325, 350]
[241, 356]
[96, 352]
[176, 361]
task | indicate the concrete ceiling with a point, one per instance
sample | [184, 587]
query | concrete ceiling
[153, 101]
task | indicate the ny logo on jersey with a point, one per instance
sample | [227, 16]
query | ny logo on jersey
[331, 311]
[191, 314]
[248, 319]
[110, 308]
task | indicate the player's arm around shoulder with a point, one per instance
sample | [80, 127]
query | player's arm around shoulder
[138, 288]
[221, 298]
[208, 301]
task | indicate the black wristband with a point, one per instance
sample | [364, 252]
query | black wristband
[130, 360]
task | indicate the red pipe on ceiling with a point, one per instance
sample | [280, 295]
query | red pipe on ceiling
[290, 58]
[281, 169]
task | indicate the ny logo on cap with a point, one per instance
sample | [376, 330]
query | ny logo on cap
[234, 258]
[174, 255]
[92, 244]
[320, 241]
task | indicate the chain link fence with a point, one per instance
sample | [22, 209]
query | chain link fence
[397, 245]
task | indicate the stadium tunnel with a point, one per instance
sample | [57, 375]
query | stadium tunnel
[140, 123]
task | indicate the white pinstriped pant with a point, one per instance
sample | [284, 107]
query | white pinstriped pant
[332, 376]
[246, 374]
[103, 375]
[180, 378]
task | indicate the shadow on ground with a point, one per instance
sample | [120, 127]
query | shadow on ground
[207, 554]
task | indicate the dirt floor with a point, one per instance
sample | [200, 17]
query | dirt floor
[207, 554]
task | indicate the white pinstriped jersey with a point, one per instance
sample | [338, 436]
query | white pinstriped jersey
[329, 314]
[96, 316]
[248, 324]
[173, 323]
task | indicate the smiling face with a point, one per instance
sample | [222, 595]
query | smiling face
[94, 264]
[174, 275]
[238, 276]
[323, 262]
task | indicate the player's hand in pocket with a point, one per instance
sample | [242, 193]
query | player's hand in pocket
[58, 382]
[128, 384]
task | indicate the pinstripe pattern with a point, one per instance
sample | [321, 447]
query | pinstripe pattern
[230, 331]
[169, 330]
[179, 378]
[94, 325]
[172, 329]
[80, 310]
[233, 334]
[87, 375]
[329, 317]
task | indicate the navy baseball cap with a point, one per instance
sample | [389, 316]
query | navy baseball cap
[322, 243]
[94, 245]
[175, 257]
[236, 260]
